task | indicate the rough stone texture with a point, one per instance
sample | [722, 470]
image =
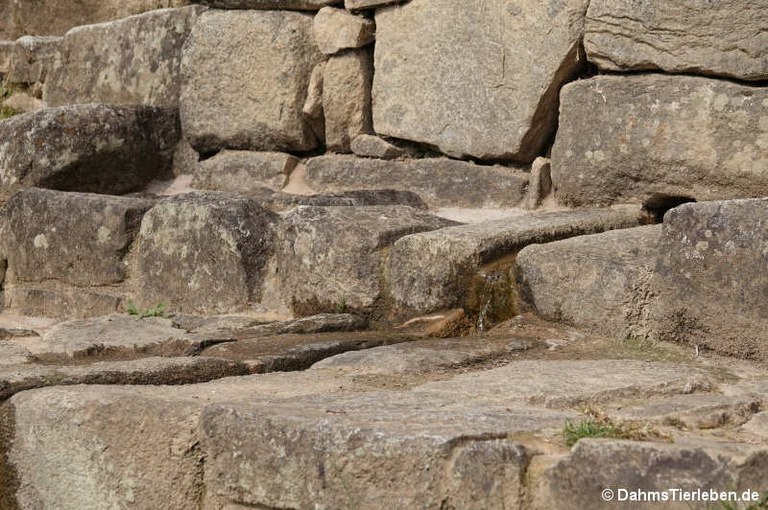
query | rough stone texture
[420, 356]
[347, 198]
[32, 59]
[571, 383]
[307, 5]
[575, 481]
[679, 36]
[12, 353]
[7, 49]
[490, 97]
[336, 30]
[131, 61]
[203, 253]
[113, 335]
[243, 171]
[62, 301]
[703, 411]
[371, 146]
[245, 80]
[93, 148]
[711, 277]
[154, 371]
[298, 352]
[332, 256]
[758, 425]
[347, 98]
[439, 182]
[76, 238]
[541, 183]
[23, 102]
[633, 138]
[7, 27]
[313, 105]
[601, 282]
[434, 270]
[368, 4]
[52, 17]
[318, 323]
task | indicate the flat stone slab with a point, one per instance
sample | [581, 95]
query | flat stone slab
[143, 64]
[701, 411]
[570, 384]
[758, 425]
[639, 138]
[433, 270]
[308, 5]
[11, 353]
[331, 258]
[289, 352]
[439, 182]
[113, 335]
[421, 356]
[580, 479]
[678, 36]
[601, 282]
[145, 371]
[91, 148]
[492, 97]
[351, 198]
[243, 171]
[711, 277]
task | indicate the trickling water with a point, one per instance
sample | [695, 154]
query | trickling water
[481, 317]
[492, 297]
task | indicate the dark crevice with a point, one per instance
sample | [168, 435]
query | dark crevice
[657, 205]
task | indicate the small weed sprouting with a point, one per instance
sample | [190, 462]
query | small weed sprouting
[156, 311]
[341, 306]
[598, 425]
[760, 505]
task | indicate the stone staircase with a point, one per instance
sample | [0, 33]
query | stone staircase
[386, 254]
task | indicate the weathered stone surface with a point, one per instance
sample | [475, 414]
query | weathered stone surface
[490, 97]
[92, 148]
[703, 411]
[711, 277]
[679, 36]
[336, 29]
[420, 356]
[23, 102]
[313, 324]
[76, 238]
[52, 17]
[347, 98]
[371, 146]
[113, 336]
[307, 5]
[12, 353]
[346, 198]
[258, 454]
[579, 480]
[601, 282]
[287, 352]
[131, 61]
[571, 384]
[434, 270]
[313, 105]
[7, 49]
[758, 425]
[633, 138]
[330, 257]
[368, 4]
[439, 182]
[62, 301]
[541, 183]
[7, 27]
[145, 371]
[32, 59]
[203, 252]
[243, 171]
[269, 56]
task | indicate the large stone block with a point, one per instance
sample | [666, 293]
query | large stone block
[712, 277]
[679, 36]
[601, 282]
[636, 138]
[244, 171]
[596, 470]
[337, 29]
[440, 182]
[32, 59]
[52, 17]
[131, 61]
[332, 257]
[92, 148]
[203, 252]
[302, 5]
[347, 98]
[76, 238]
[434, 270]
[245, 81]
[492, 96]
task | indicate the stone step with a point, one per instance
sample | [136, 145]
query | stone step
[436, 270]
[601, 282]
[483, 439]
